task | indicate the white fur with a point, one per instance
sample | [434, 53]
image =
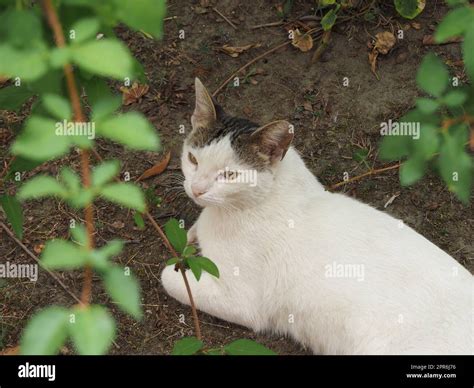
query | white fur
[274, 244]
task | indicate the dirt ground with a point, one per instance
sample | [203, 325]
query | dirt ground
[332, 122]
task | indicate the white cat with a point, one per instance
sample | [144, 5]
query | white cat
[335, 274]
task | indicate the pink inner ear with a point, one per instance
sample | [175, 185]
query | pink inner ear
[272, 148]
[273, 139]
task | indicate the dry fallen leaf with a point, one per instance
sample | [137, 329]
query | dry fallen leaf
[133, 94]
[118, 224]
[235, 51]
[373, 61]
[384, 41]
[38, 248]
[308, 106]
[302, 41]
[158, 168]
[416, 25]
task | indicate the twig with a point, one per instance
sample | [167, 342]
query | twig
[257, 58]
[168, 245]
[52, 17]
[52, 274]
[32, 255]
[272, 24]
[370, 172]
[225, 18]
[247, 65]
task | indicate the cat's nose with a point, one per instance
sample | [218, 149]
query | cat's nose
[198, 191]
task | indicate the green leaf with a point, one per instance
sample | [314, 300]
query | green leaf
[176, 235]
[125, 194]
[130, 129]
[51, 82]
[207, 265]
[246, 347]
[195, 267]
[427, 144]
[81, 199]
[187, 346]
[79, 235]
[70, 179]
[105, 106]
[412, 170]
[146, 15]
[21, 164]
[468, 51]
[39, 141]
[28, 64]
[63, 255]
[172, 261]
[105, 172]
[360, 154]
[105, 57]
[453, 24]
[189, 250]
[96, 90]
[84, 29]
[45, 332]
[409, 9]
[328, 20]
[23, 27]
[13, 211]
[99, 258]
[41, 186]
[427, 105]
[93, 330]
[394, 147]
[455, 98]
[432, 75]
[112, 248]
[139, 222]
[13, 97]
[57, 106]
[124, 290]
[456, 167]
[60, 56]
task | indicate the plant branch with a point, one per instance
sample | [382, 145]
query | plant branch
[166, 242]
[370, 172]
[55, 24]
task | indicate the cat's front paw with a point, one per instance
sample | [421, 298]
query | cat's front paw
[174, 285]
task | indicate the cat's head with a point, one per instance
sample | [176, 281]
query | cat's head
[227, 161]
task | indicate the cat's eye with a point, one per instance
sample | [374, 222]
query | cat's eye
[192, 159]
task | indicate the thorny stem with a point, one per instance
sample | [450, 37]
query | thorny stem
[55, 24]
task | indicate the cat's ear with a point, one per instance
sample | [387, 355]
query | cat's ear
[273, 140]
[204, 112]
